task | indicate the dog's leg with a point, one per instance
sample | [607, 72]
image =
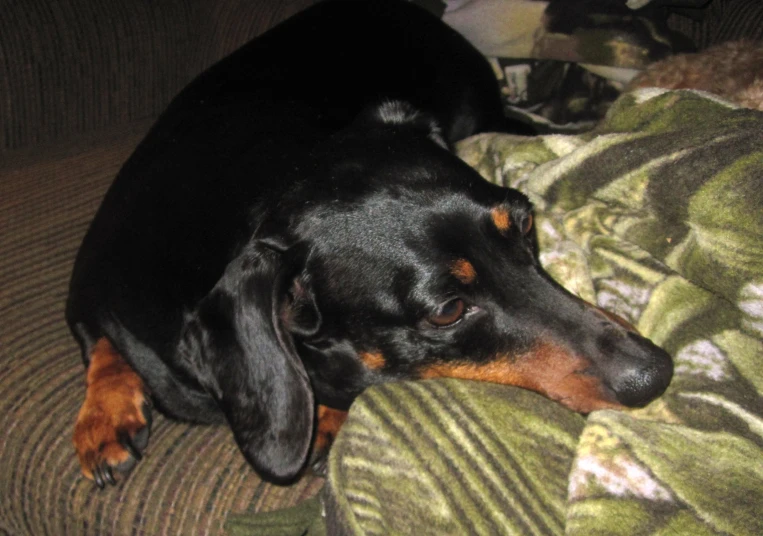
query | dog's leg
[330, 420]
[114, 422]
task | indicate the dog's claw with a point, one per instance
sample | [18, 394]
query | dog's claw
[98, 477]
[109, 475]
[103, 474]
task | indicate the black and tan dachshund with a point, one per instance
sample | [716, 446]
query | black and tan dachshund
[294, 229]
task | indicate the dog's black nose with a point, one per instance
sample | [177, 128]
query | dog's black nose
[641, 374]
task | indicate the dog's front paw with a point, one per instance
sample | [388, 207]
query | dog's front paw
[111, 435]
[112, 427]
[329, 421]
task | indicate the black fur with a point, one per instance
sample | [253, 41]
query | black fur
[296, 206]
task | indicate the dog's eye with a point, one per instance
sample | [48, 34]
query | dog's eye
[448, 314]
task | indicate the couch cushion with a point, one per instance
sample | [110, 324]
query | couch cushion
[72, 66]
[191, 477]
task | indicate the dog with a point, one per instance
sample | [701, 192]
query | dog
[294, 229]
[732, 70]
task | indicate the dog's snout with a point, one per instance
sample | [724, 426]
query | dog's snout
[629, 369]
[639, 372]
[633, 368]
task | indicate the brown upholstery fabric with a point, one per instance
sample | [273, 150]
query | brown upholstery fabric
[80, 83]
[71, 66]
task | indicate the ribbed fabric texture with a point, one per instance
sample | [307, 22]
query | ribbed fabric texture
[451, 457]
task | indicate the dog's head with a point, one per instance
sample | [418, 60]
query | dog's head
[393, 259]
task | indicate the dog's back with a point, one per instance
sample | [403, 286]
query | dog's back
[259, 114]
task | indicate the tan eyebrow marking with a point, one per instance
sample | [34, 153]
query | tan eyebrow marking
[501, 218]
[373, 360]
[464, 271]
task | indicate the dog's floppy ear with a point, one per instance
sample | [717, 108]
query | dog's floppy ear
[246, 358]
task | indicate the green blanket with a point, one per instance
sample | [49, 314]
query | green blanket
[658, 216]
